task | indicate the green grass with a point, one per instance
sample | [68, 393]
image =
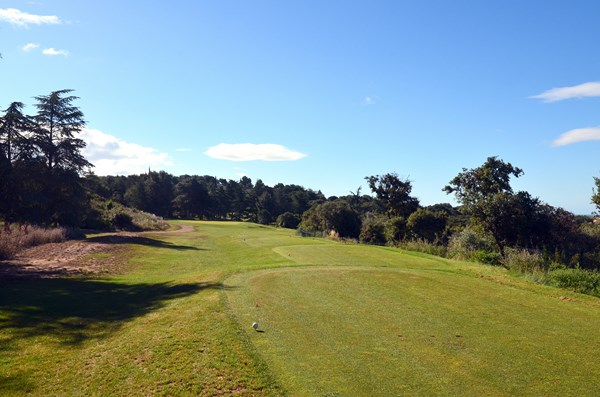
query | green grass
[338, 319]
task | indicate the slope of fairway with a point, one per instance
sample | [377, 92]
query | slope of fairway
[397, 324]
[158, 329]
[338, 319]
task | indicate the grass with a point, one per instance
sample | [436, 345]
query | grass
[386, 332]
[338, 319]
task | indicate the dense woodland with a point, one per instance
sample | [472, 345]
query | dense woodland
[45, 180]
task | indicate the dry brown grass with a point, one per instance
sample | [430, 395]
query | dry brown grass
[14, 238]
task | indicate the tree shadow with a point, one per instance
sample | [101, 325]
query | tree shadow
[72, 310]
[9, 271]
[15, 385]
[126, 239]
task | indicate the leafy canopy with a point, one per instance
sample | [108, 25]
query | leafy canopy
[394, 193]
[596, 195]
[472, 185]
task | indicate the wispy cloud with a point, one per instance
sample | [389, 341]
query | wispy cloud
[30, 46]
[371, 100]
[53, 52]
[22, 19]
[251, 151]
[578, 135]
[590, 89]
[114, 156]
[239, 171]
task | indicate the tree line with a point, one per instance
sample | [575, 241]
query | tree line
[45, 180]
[207, 197]
[491, 222]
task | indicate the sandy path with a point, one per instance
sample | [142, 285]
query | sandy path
[93, 256]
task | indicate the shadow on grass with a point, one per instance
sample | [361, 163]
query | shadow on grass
[15, 385]
[124, 239]
[74, 310]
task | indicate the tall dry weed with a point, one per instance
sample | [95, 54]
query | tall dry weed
[15, 238]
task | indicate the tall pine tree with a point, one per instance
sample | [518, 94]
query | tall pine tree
[57, 123]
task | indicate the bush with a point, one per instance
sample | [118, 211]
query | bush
[335, 215]
[578, 280]
[372, 230]
[123, 221]
[395, 229]
[424, 247]
[110, 214]
[288, 220]
[487, 257]
[524, 261]
[426, 225]
[468, 245]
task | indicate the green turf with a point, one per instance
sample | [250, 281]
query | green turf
[380, 332]
[339, 319]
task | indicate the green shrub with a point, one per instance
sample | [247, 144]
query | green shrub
[426, 225]
[106, 215]
[578, 280]
[524, 261]
[487, 257]
[395, 229]
[372, 230]
[335, 215]
[466, 244]
[288, 220]
[424, 247]
[123, 221]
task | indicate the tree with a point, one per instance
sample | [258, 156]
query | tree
[14, 126]
[471, 186]
[336, 216]
[191, 198]
[58, 154]
[57, 123]
[13, 143]
[394, 193]
[596, 195]
[488, 198]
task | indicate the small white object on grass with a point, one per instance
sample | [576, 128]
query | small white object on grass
[255, 325]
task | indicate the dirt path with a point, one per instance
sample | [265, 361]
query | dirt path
[182, 229]
[93, 256]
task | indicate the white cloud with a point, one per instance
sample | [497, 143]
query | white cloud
[30, 46]
[53, 52]
[251, 151]
[113, 156]
[578, 135]
[590, 89]
[23, 19]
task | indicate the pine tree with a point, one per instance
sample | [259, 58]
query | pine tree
[57, 123]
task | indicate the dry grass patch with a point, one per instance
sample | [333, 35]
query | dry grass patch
[15, 238]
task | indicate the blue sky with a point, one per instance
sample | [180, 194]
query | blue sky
[322, 93]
